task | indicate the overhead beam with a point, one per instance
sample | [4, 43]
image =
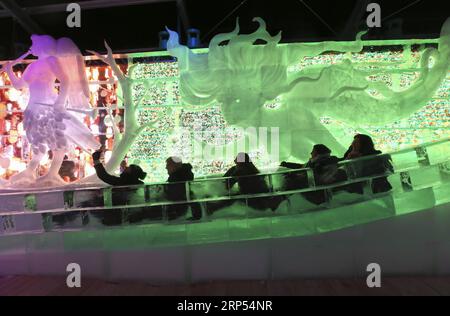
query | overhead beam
[22, 17]
[85, 5]
[182, 12]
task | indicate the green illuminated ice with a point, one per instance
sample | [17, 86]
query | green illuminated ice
[244, 77]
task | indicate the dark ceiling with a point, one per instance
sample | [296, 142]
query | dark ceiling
[133, 25]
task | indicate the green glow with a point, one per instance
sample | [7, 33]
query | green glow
[405, 103]
[421, 181]
[242, 77]
[313, 95]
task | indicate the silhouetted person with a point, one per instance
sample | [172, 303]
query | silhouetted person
[244, 173]
[294, 180]
[323, 165]
[179, 172]
[132, 175]
[363, 146]
[240, 173]
[325, 170]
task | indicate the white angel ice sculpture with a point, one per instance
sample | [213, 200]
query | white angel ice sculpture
[47, 123]
[4, 163]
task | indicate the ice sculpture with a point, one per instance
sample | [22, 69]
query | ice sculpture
[242, 77]
[122, 141]
[4, 163]
[47, 122]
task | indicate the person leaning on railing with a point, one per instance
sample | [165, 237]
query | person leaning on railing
[363, 146]
[240, 173]
[132, 175]
[325, 169]
[179, 173]
[323, 164]
[175, 194]
[245, 174]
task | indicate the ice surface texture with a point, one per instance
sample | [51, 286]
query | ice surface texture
[242, 77]
[47, 123]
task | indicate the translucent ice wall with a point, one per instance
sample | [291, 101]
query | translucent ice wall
[243, 78]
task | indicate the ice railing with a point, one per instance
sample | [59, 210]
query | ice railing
[416, 168]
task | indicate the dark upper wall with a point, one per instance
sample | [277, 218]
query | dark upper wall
[136, 27]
